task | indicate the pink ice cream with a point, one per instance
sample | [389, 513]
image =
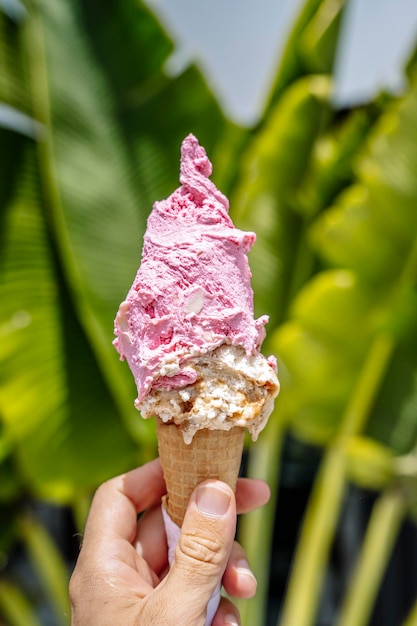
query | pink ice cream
[192, 292]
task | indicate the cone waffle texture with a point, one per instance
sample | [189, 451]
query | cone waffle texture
[211, 454]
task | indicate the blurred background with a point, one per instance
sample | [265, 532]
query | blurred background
[308, 111]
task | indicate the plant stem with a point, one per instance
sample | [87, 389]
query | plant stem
[383, 528]
[15, 607]
[256, 528]
[315, 541]
[369, 383]
[326, 500]
[49, 564]
[411, 619]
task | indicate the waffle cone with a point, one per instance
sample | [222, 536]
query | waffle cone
[211, 454]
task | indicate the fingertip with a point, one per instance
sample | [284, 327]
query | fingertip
[238, 579]
[267, 490]
[251, 493]
[246, 581]
[240, 582]
[227, 614]
[263, 491]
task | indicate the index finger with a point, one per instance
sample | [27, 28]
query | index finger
[118, 501]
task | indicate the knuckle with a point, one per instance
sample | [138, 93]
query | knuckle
[75, 590]
[73, 587]
[106, 488]
[204, 549]
[76, 583]
[103, 488]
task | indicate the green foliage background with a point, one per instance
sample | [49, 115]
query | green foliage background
[90, 129]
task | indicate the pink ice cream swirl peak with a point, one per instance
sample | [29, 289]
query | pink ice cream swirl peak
[192, 292]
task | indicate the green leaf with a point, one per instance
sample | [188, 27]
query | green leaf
[305, 361]
[154, 110]
[394, 417]
[369, 464]
[331, 167]
[349, 321]
[13, 86]
[85, 176]
[71, 249]
[343, 235]
[411, 66]
[379, 397]
[334, 320]
[264, 199]
[388, 169]
[11, 153]
[15, 120]
[129, 67]
[56, 409]
[318, 42]
[292, 62]
[157, 126]
[372, 231]
[102, 161]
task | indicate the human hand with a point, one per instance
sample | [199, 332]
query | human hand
[122, 577]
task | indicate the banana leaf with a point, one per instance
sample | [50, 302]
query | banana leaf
[379, 213]
[264, 199]
[311, 45]
[72, 235]
[57, 413]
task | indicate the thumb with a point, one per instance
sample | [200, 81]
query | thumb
[203, 550]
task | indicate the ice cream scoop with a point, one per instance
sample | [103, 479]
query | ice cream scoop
[190, 309]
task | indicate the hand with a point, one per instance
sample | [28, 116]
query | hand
[122, 578]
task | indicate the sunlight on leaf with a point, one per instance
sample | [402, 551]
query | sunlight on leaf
[54, 404]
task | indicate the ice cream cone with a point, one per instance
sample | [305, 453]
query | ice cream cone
[188, 331]
[211, 454]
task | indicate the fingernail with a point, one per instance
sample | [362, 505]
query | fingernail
[230, 620]
[212, 500]
[242, 568]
